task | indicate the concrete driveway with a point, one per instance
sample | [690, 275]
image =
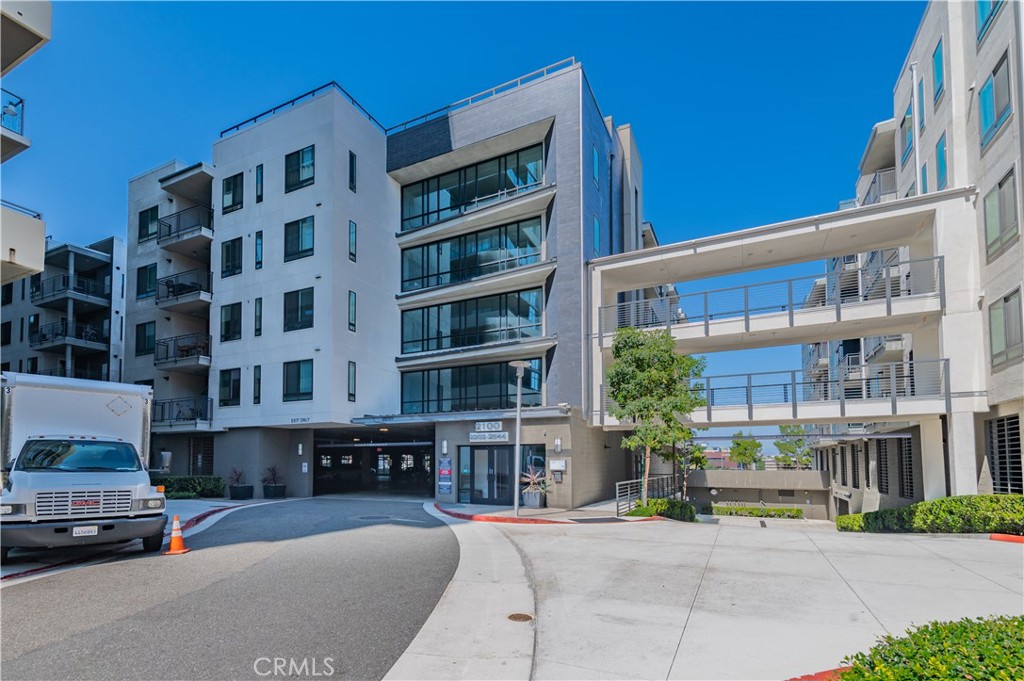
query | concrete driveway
[668, 600]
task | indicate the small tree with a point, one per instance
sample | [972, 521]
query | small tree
[651, 386]
[793, 447]
[746, 451]
[691, 458]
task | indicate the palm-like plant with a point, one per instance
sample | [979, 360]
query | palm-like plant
[535, 480]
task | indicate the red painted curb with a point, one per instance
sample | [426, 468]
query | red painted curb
[1014, 538]
[827, 675]
[499, 518]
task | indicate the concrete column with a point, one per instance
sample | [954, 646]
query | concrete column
[963, 466]
[933, 470]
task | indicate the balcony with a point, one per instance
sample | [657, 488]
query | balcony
[183, 414]
[886, 348]
[12, 126]
[188, 232]
[24, 241]
[816, 358]
[25, 27]
[55, 292]
[187, 292]
[56, 337]
[86, 374]
[189, 353]
[882, 188]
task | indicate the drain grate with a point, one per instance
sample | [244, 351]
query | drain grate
[520, 617]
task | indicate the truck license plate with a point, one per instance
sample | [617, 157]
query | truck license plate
[86, 531]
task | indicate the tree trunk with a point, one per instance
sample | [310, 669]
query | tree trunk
[685, 474]
[647, 473]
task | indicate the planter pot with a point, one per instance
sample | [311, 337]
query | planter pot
[240, 492]
[273, 491]
[533, 500]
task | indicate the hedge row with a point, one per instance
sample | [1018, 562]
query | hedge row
[190, 486]
[968, 649]
[676, 509]
[758, 511]
[1000, 513]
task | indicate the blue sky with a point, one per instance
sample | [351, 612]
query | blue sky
[745, 113]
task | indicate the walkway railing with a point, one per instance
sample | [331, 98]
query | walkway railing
[64, 284]
[184, 221]
[181, 410]
[902, 279]
[628, 493]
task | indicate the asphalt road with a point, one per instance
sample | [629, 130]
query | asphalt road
[324, 588]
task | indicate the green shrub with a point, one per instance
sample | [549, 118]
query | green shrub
[986, 513]
[854, 522]
[758, 511]
[201, 486]
[676, 509]
[968, 649]
[181, 495]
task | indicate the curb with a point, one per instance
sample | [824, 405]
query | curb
[501, 519]
[827, 675]
[1013, 538]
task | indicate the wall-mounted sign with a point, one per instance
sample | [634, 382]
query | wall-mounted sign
[444, 471]
[556, 465]
[489, 437]
[488, 426]
[444, 488]
[300, 419]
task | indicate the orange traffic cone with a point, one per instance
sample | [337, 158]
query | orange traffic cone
[177, 541]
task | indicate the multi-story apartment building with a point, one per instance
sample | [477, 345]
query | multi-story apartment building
[24, 28]
[69, 319]
[348, 309]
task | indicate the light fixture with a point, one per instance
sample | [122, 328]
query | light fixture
[444, 447]
[558, 445]
[383, 430]
[355, 439]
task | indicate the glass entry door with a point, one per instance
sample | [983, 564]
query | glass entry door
[491, 475]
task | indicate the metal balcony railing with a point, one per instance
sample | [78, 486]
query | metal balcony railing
[13, 118]
[874, 344]
[883, 184]
[73, 373]
[24, 211]
[629, 493]
[917, 278]
[63, 284]
[63, 330]
[814, 353]
[183, 409]
[184, 222]
[183, 283]
[188, 346]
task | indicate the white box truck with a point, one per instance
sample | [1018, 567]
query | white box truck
[75, 455]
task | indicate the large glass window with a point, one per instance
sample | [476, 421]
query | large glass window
[469, 388]
[938, 72]
[298, 309]
[298, 239]
[145, 281]
[230, 322]
[940, 163]
[298, 380]
[920, 103]
[231, 257]
[924, 179]
[1006, 329]
[231, 193]
[1000, 210]
[984, 10]
[8, 294]
[445, 196]
[994, 101]
[907, 134]
[1002, 444]
[5, 333]
[230, 387]
[472, 255]
[298, 169]
[503, 317]
[148, 223]
[145, 338]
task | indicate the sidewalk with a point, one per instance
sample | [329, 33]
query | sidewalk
[600, 512]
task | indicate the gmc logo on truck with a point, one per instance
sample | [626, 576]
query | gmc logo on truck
[85, 502]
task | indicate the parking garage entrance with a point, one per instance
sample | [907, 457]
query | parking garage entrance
[374, 460]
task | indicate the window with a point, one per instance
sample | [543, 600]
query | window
[940, 163]
[351, 310]
[1006, 331]
[467, 388]
[920, 104]
[5, 333]
[855, 466]
[1000, 213]
[298, 380]
[1002, 447]
[905, 452]
[145, 281]
[882, 448]
[298, 309]
[984, 10]
[835, 465]
[230, 322]
[994, 101]
[7, 295]
[231, 257]
[472, 255]
[867, 467]
[351, 241]
[842, 464]
[452, 194]
[259, 183]
[259, 249]
[230, 387]
[298, 239]
[257, 329]
[257, 383]
[938, 81]
[351, 381]
[33, 365]
[924, 179]
[501, 317]
[231, 193]
[145, 338]
[148, 223]
[597, 166]
[351, 171]
[907, 134]
[33, 326]
[597, 237]
[298, 169]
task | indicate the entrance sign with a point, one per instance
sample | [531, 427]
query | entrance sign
[444, 475]
[489, 437]
[488, 426]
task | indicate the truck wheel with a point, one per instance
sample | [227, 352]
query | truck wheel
[152, 544]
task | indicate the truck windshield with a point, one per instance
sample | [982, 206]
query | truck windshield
[77, 456]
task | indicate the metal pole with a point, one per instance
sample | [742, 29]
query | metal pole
[915, 111]
[520, 367]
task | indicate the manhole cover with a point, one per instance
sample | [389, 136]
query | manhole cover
[520, 617]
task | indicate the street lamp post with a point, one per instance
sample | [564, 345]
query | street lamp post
[520, 367]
